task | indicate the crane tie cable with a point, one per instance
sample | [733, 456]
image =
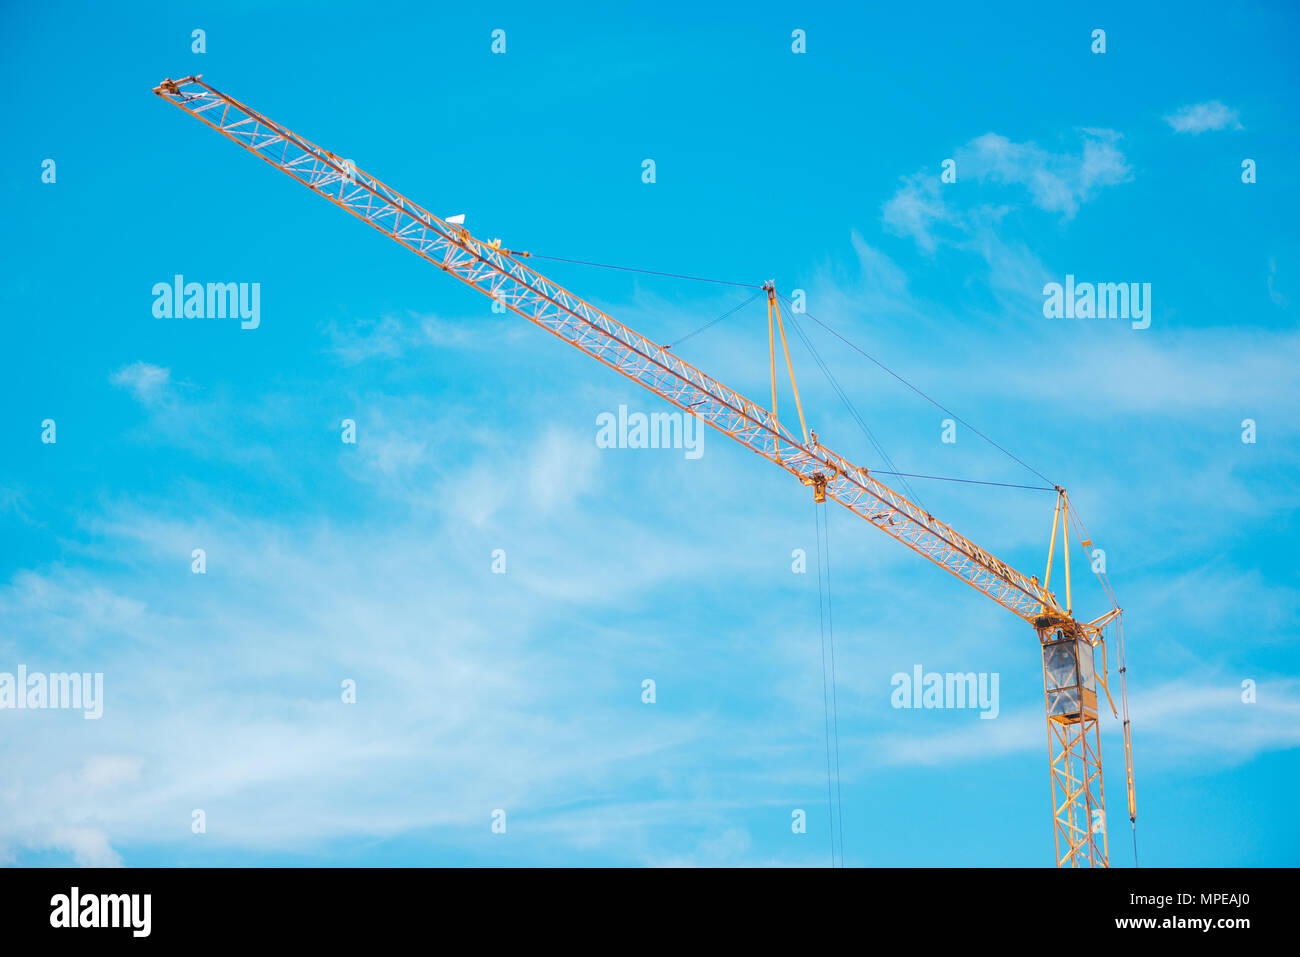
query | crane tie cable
[945, 478]
[808, 343]
[927, 398]
[844, 397]
[713, 322]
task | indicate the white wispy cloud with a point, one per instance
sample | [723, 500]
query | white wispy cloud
[1175, 722]
[87, 846]
[1053, 182]
[393, 337]
[917, 209]
[475, 691]
[1203, 117]
[143, 380]
[456, 697]
[1180, 374]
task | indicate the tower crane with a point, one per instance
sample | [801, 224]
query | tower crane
[1068, 643]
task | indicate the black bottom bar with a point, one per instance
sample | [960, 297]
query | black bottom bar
[334, 907]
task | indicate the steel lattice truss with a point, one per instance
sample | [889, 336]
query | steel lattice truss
[1078, 797]
[499, 274]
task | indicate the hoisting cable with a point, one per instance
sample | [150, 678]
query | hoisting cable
[830, 700]
[835, 698]
[927, 398]
[713, 322]
[650, 272]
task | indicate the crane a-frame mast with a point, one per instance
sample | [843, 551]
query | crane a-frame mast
[498, 273]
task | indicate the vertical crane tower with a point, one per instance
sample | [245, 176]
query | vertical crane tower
[1069, 645]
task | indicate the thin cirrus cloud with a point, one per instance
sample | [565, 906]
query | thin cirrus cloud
[1203, 117]
[1227, 728]
[266, 748]
[1053, 182]
[143, 380]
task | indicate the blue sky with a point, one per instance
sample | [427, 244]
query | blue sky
[522, 691]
